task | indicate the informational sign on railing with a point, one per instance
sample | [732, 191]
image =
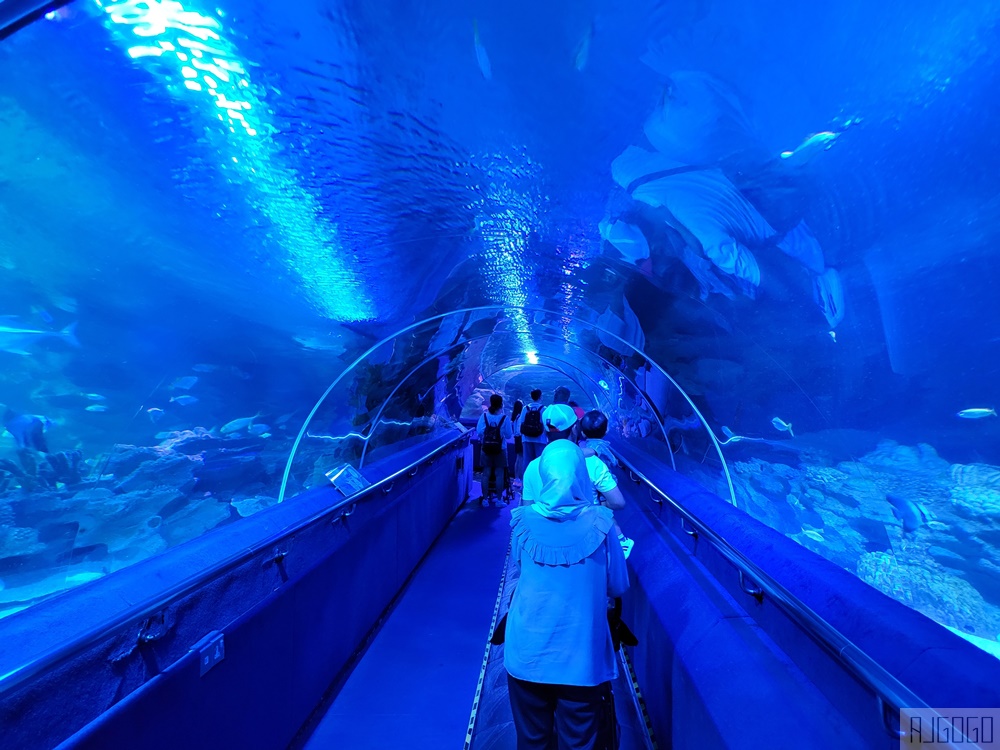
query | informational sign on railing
[347, 480]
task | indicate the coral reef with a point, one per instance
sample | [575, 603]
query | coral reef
[947, 568]
[66, 521]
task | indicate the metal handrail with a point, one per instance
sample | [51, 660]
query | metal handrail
[22, 674]
[886, 687]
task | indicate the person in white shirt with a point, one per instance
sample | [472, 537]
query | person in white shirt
[593, 428]
[530, 427]
[494, 432]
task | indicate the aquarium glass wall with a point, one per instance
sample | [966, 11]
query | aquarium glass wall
[212, 212]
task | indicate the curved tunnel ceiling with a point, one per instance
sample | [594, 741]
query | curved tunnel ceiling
[350, 170]
[792, 209]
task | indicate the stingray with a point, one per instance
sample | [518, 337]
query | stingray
[628, 329]
[829, 295]
[626, 238]
[803, 246]
[704, 272]
[703, 205]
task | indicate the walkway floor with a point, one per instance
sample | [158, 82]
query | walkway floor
[415, 685]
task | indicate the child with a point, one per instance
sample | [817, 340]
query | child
[597, 450]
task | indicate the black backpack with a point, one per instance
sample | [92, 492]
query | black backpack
[532, 424]
[492, 438]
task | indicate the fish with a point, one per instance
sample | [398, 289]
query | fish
[204, 368]
[912, 515]
[800, 243]
[782, 426]
[732, 437]
[828, 291]
[315, 343]
[976, 413]
[94, 397]
[582, 53]
[258, 429]
[813, 534]
[185, 383]
[16, 339]
[155, 414]
[703, 270]
[28, 430]
[96, 407]
[811, 146]
[832, 335]
[482, 59]
[626, 328]
[705, 208]
[626, 238]
[244, 423]
[184, 400]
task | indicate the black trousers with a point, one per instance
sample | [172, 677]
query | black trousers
[547, 717]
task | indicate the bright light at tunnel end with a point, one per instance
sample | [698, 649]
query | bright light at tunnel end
[531, 357]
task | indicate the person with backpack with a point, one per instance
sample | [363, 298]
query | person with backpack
[529, 426]
[494, 432]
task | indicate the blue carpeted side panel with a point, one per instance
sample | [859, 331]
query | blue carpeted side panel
[710, 676]
[234, 705]
[290, 625]
[709, 651]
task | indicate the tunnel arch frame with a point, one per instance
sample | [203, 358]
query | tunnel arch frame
[429, 358]
[504, 309]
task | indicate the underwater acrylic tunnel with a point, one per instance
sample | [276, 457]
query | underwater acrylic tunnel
[263, 266]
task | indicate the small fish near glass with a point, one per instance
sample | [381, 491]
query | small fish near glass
[976, 413]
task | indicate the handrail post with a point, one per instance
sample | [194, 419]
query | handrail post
[886, 713]
[754, 590]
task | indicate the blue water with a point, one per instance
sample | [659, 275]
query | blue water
[255, 194]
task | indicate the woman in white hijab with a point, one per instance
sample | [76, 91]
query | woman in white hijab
[558, 654]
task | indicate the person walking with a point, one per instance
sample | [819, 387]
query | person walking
[494, 432]
[529, 426]
[559, 654]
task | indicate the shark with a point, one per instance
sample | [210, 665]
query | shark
[15, 338]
